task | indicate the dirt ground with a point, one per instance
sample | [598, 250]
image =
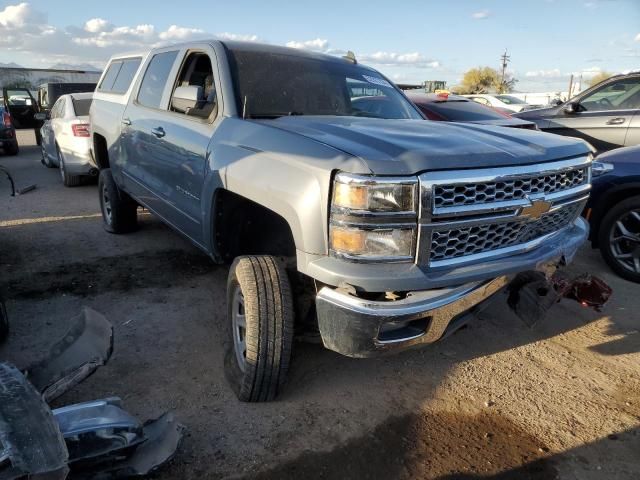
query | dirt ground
[497, 400]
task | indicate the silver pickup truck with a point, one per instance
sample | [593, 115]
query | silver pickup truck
[344, 212]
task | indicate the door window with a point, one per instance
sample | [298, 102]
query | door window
[112, 72]
[155, 79]
[621, 95]
[125, 75]
[197, 71]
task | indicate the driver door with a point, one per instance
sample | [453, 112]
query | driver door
[22, 107]
[601, 117]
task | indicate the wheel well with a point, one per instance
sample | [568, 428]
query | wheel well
[243, 227]
[605, 205]
[100, 151]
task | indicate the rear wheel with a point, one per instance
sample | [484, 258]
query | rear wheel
[46, 161]
[12, 149]
[260, 328]
[67, 179]
[119, 210]
[4, 322]
[619, 238]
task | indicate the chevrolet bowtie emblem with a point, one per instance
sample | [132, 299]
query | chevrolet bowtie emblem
[535, 210]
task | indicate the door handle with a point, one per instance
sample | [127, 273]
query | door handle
[616, 121]
[158, 132]
[126, 121]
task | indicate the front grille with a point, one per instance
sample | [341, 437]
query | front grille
[458, 242]
[471, 215]
[453, 194]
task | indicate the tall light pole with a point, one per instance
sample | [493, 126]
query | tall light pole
[505, 61]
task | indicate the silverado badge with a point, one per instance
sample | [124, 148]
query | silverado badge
[535, 210]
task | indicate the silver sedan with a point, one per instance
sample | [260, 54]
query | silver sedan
[66, 138]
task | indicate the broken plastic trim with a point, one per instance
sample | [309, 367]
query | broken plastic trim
[531, 294]
[85, 347]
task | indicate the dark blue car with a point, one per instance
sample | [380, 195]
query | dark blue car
[614, 210]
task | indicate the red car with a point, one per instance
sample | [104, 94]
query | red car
[454, 108]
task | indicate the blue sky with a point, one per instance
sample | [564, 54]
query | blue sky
[409, 41]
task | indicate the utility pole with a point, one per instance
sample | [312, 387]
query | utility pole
[505, 61]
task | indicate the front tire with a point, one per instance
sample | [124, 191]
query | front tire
[119, 210]
[259, 328]
[619, 238]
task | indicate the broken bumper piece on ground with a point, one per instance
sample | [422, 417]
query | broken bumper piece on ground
[531, 294]
[97, 439]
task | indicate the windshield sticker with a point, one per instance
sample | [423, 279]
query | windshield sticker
[376, 81]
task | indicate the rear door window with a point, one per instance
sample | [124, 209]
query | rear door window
[155, 79]
[125, 75]
[106, 85]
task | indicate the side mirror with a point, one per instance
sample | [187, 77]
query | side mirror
[42, 116]
[556, 102]
[572, 107]
[186, 97]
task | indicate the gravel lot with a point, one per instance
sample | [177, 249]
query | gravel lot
[496, 400]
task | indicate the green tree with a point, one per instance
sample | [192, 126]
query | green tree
[599, 78]
[484, 80]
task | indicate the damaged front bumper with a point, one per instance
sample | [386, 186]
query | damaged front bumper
[358, 327]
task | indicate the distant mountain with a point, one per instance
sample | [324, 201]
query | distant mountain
[68, 66]
[10, 65]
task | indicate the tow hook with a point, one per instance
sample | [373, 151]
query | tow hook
[531, 294]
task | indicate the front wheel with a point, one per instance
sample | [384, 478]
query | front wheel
[619, 238]
[13, 149]
[119, 210]
[260, 328]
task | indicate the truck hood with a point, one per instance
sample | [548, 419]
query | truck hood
[412, 146]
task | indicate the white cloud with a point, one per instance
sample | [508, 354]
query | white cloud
[96, 25]
[414, 59]
[318, 44]
[554, 73]
[482, 15]
[637, 39]
[17, 16]
[174, 32]
[236, 36]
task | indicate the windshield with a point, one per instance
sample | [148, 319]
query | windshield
[81, 106]
[461, 111]
[509, 100]
[270, 85]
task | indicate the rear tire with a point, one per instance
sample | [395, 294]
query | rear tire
[623, 255]
[67, 180]
[46, 161]
[119, 210]
[14, 149]
[258, 298]
[4, 323]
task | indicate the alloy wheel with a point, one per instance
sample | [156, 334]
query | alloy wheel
[624, 239]
[107, 209]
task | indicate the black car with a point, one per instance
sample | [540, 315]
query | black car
[454, 108]
[606, 115]
[614, 210]
[8, 139]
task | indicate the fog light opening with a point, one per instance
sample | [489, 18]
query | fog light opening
[403, 331]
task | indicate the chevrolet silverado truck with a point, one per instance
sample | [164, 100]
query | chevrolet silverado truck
[374, 230]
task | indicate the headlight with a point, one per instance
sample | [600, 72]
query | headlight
[374, 195]
[373, 218]
[600, 168]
